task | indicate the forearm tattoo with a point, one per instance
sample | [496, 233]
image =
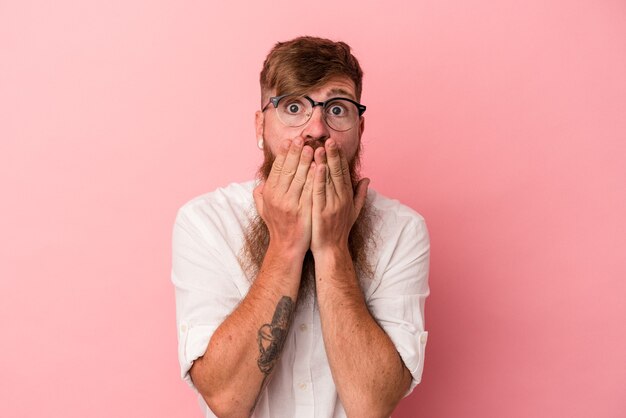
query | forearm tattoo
[271, 337]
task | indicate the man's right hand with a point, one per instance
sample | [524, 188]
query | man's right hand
[284, 200]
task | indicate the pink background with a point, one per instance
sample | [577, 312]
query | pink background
[503, 123]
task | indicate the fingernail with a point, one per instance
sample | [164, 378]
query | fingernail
[331, 143]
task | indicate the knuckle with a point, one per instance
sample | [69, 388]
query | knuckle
[287, 208]
[295, 149]
[277, 167]
[298, 180]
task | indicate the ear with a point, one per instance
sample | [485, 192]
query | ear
[258, 125]
[361, 126]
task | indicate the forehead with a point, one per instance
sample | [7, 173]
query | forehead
[341, 86]
[338, 86]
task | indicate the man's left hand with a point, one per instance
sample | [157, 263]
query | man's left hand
[335, 205]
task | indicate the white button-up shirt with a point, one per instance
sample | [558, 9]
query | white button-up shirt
[209, 283]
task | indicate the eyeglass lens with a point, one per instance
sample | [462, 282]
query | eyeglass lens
[340, 114]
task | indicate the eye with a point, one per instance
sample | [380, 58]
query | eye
[292, 106]
[337, 109]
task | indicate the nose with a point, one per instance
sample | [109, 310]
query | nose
[316, 128]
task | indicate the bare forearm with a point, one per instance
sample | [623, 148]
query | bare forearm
[245, 347]
[367, 369]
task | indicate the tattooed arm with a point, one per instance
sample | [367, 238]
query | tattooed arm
[245, 347]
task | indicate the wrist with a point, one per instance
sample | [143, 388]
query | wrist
[333, 263]
[287, 254]
[332, 253]
[280, 271]
[335, 277]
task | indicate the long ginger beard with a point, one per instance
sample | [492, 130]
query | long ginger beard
[257, 237]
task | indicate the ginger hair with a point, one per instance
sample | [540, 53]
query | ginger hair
[305, 63]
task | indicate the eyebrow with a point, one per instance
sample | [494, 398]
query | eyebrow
[340, 91]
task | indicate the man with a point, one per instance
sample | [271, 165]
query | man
[302, 294]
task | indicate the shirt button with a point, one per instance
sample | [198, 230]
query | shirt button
[302, 386]
[303, 327]
[183, 328]
[423, 338]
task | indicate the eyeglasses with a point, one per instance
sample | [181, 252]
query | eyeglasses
[340, 113]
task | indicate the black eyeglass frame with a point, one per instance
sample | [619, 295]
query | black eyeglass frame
[274, 101]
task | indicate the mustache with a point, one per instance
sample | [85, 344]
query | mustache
[315, 144]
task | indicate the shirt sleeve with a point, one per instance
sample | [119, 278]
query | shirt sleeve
[205, 294]
[397, 303]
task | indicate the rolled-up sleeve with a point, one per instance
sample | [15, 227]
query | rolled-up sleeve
[398, 300]
[205, 295]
